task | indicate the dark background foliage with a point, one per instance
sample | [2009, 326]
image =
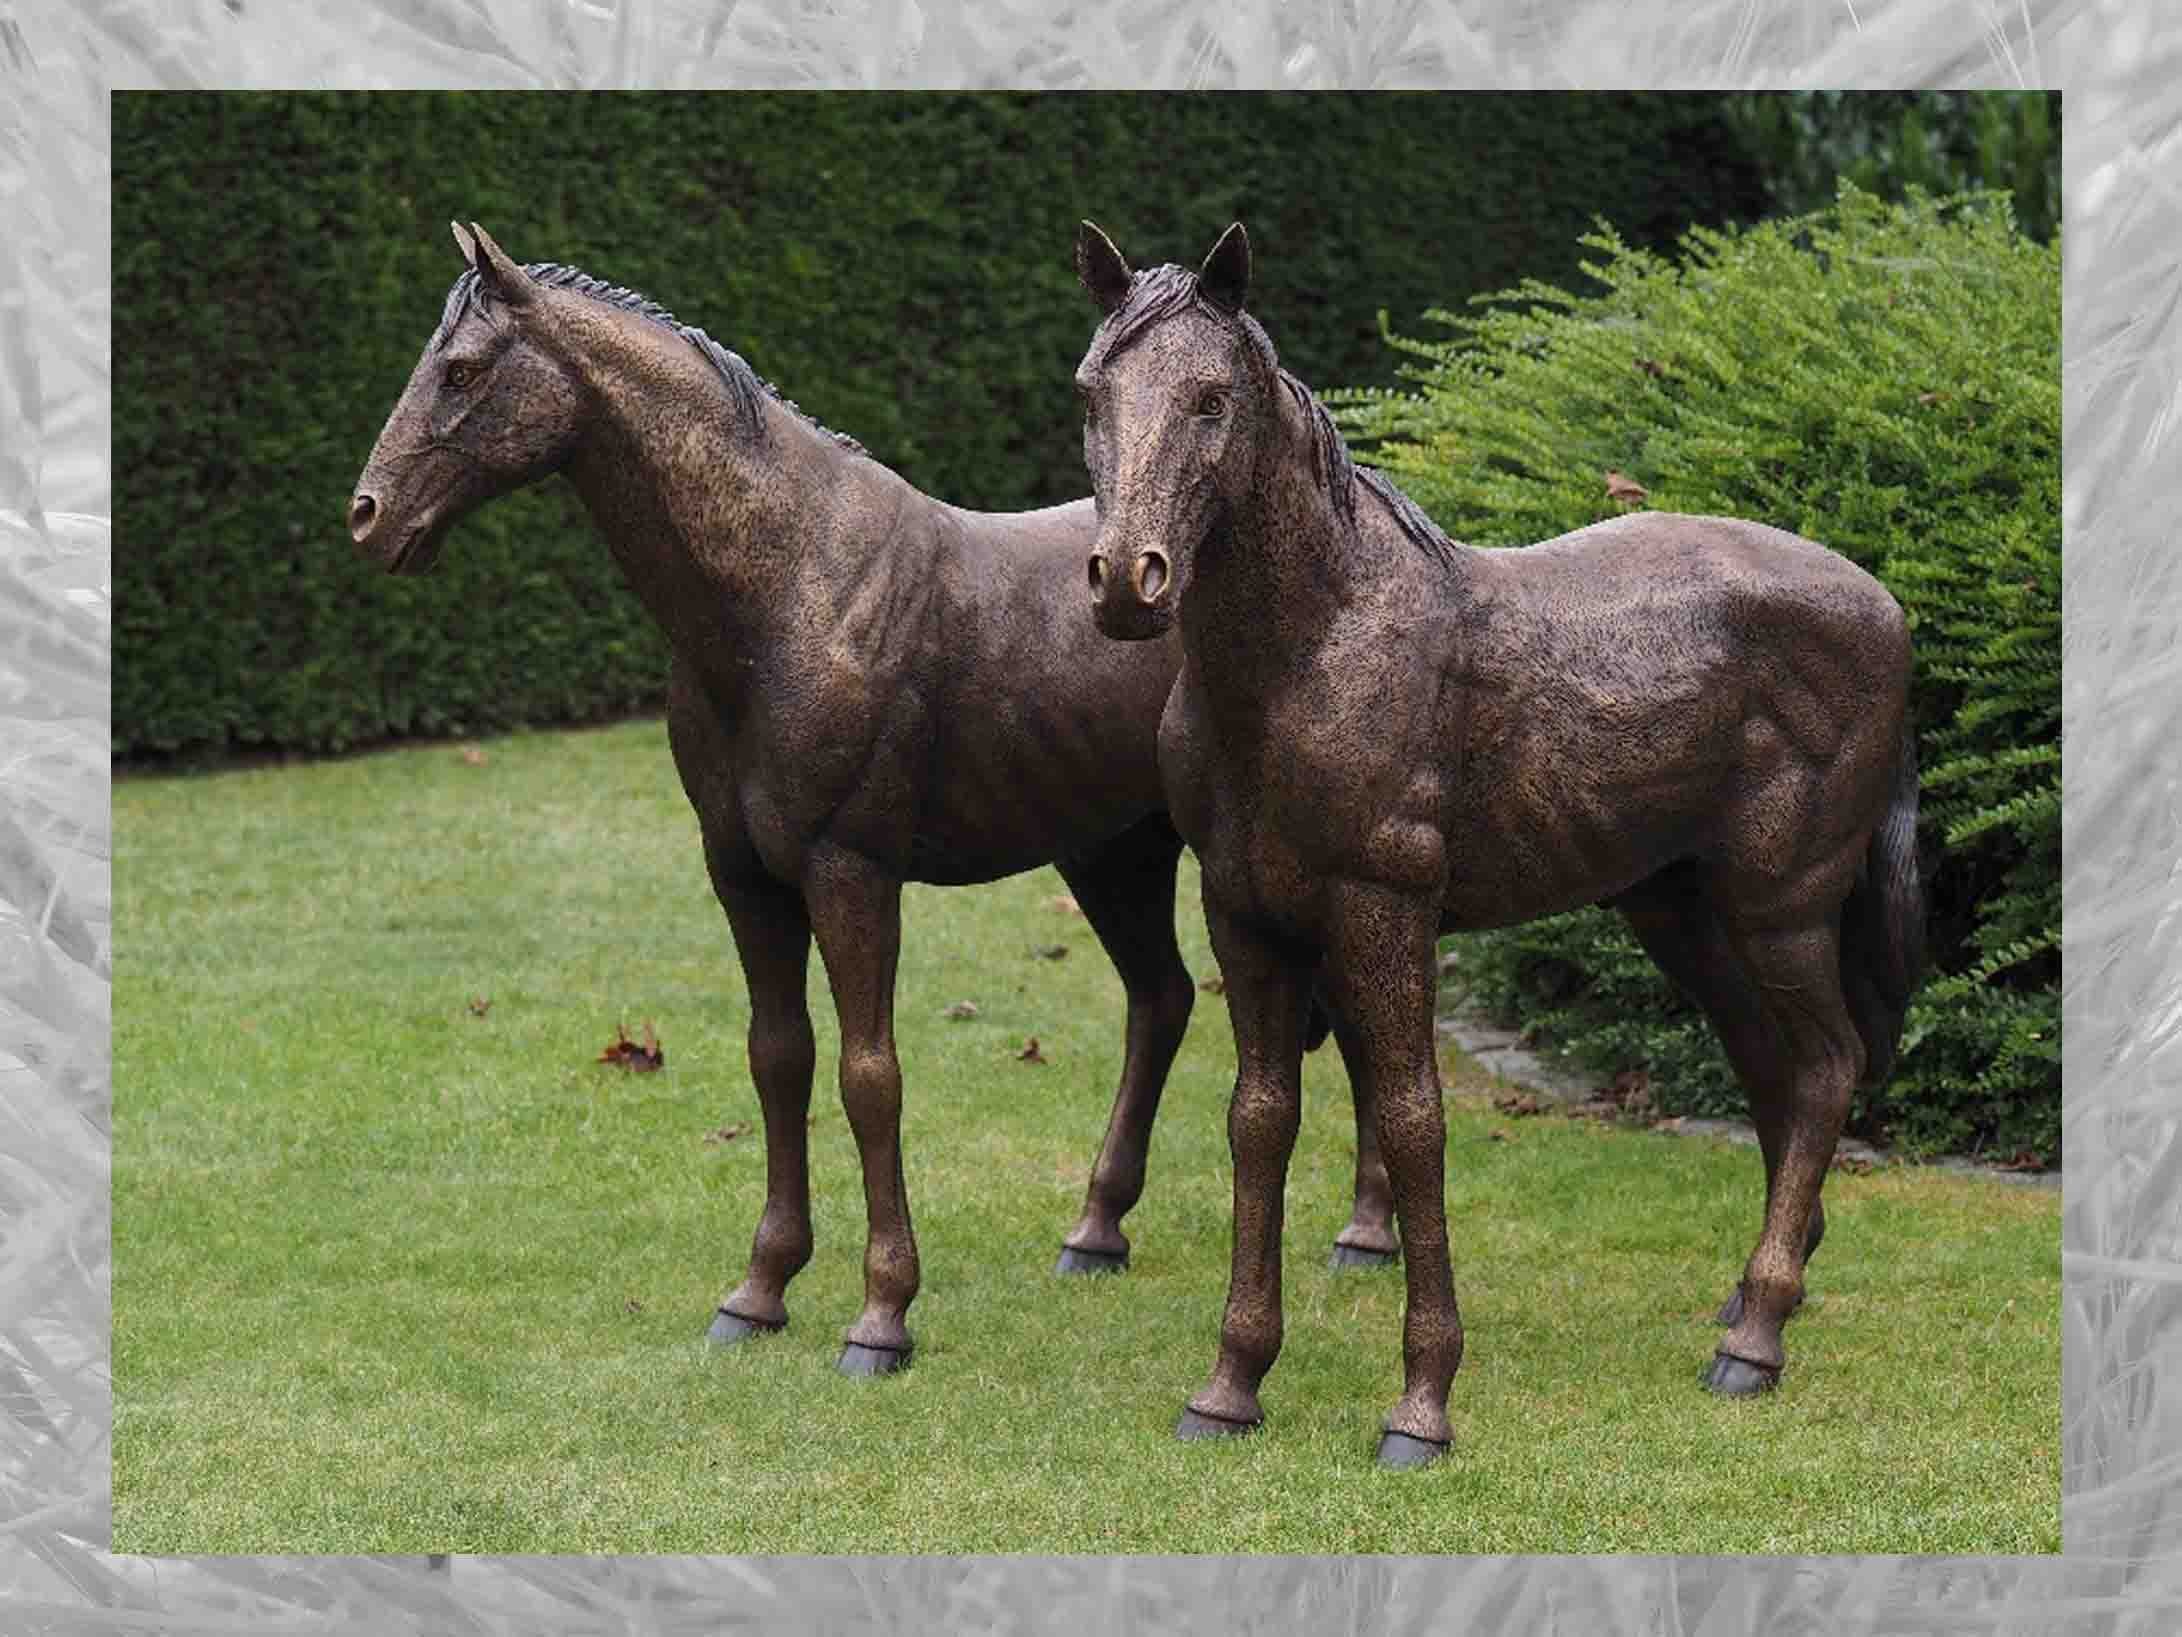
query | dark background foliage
[898, 264]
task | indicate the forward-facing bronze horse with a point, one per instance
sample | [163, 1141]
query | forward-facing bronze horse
[1378, 736]
[868, 687]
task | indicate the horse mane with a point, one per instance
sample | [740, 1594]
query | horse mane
[1162, 292]
[744, 384]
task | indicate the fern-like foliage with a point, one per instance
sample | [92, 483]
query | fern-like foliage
[1884, 378]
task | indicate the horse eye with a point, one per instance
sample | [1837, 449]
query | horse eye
[458, 375]
[1212, 405]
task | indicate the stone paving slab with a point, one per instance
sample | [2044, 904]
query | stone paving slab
[1500, 1051]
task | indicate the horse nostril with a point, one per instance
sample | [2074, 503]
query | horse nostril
[1098, 578]
[1150, 574]
[363, 510]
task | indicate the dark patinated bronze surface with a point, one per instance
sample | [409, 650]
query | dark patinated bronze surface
[868, 687]
[1378, 735]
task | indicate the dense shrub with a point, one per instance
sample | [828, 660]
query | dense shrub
[899, 264]
[1885, 379]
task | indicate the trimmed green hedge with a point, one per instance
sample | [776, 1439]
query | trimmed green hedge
[1885, 379]
[898, 264]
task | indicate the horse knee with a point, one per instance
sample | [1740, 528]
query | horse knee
[1263, 1116]
[871, 1089]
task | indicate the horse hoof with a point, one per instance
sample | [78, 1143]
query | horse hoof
[1399, 1451]
[859, 1360]
[1194, 1425]
[1734, 1377]
[730, 1328]
[1361, 1256]
[1074, 1260]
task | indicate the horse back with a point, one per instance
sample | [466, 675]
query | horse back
[1658, 688]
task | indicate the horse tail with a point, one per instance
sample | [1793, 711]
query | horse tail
[1882, 924]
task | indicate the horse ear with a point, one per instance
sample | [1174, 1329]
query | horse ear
[1225, 277]
[464, 243]
[1101, 268]
[498, 273]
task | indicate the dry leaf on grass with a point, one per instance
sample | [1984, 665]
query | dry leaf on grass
[1520, 1104]
[726, 1133]
[960, 1010]
[1051, 952]
[628, 1054]
[1030, 1052]
[474, 756]
[479, 1005]
[1214, 985]
[1626, 489]
[1065, 904]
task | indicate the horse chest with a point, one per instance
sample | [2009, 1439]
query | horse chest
[1276, 819]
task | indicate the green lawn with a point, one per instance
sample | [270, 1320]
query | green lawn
[393, 1277]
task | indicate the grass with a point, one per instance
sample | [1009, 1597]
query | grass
[393, 1277]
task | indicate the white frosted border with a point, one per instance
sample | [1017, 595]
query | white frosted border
[2118, 62]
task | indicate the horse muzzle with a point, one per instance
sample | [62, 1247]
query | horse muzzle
[1134, 603]
[384, 540]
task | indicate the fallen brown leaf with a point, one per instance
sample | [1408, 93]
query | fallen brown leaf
[1065, 904]
[474, 756]
[629, 1055]
[2023, 1159]
[1624, 489]
[726, 1133]
[1214, 985]
[960, 1010]
[1520, 1104]
[1855, 1164]
[479, 1005]
[1931, 397]
[1051, 952]
[632, 1305]
[1030, 1052]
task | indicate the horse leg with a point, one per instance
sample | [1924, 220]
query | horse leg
[1796, 972]
[1126, 891]
[856, 916]
[1368, 1241]
[773, 942]
[1268, 999]
[1688, 942]
[1380, 972]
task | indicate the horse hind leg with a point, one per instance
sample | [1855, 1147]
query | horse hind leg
[1796, 972]
[1126, 891]
[1368, 1240]
[1687, 940]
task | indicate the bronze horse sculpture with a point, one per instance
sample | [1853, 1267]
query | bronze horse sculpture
[868, 687]
[1378, 736]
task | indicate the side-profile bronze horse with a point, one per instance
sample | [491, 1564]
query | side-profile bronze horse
[1379, 736]
[868, 687]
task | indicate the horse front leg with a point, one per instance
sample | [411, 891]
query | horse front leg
[1268, 998]
[1380, 973]
[855, 910]
[773, 942]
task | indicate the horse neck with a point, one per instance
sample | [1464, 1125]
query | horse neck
[703, 513]
[1273, 577]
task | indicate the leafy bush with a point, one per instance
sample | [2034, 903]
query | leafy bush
[1882, 378]
[898, 264]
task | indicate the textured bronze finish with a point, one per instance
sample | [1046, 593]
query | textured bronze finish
[1379, 735]
[868, 687]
